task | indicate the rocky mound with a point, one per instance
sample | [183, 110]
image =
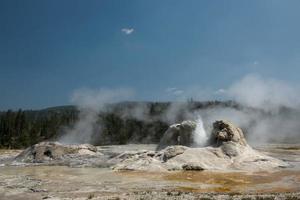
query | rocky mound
[178, 134]
[228, 151]
[61, 154]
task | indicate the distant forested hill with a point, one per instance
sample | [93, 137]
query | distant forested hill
[142, 122]
[120, 123]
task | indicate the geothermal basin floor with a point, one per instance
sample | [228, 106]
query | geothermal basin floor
[60, 182]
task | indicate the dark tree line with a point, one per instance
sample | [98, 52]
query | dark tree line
[118, 130]
[19, 129]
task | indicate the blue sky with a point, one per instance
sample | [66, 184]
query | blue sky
[50, 48]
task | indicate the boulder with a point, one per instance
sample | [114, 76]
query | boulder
[178, 134]
[192, 167]
[225, 131]
[172, 151]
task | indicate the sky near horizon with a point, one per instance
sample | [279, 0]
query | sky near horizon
[160, 49]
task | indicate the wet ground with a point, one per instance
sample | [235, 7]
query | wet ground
[60, 182]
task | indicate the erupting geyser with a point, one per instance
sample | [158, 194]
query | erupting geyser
[227, 150]
[199, 136]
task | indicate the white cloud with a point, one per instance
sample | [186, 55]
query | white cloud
[177, 92]
[127, 31]
[220, 91]
[170, 89]
[174, 91]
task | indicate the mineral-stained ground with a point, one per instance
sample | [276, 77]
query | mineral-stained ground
[69, 182]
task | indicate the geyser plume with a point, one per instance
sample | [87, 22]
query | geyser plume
[200, 136]
[90, 103]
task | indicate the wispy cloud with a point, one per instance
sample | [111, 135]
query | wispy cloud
[220, 91]
[174, 91]
[127, 31]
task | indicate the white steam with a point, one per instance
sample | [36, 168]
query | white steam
[266, 94]
[90, 103]
[270, 111]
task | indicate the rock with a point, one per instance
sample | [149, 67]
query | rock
[48, 151]
[231, 149]
[192, 167]
[172, 151]
[225, 131]
[178, 134]
[140, 161]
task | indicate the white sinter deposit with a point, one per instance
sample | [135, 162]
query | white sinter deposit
[226, 149]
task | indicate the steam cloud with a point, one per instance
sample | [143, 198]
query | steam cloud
[266, 94]
[90, 104]
[270, 111]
